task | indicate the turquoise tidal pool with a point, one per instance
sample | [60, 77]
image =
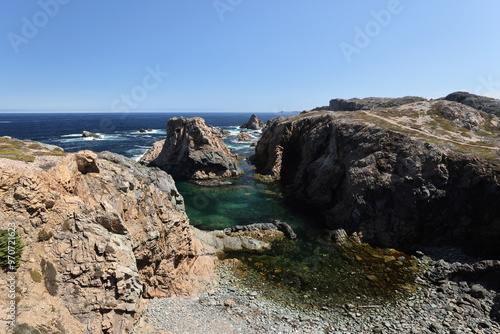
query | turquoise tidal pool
[309, 272]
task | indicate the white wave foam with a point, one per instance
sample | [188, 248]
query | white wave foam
[5, 122]
[153, 131]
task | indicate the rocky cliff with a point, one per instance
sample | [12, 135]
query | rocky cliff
[422, 173]
[100, 232]
[254, 123]
[195, 151]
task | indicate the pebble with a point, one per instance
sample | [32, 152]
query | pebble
[232, 308]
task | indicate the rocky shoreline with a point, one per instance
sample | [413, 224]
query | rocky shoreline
[447, 306]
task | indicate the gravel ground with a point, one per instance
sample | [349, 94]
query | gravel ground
[449, 307]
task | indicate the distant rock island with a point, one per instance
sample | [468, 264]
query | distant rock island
[420, 172]
[254, 123]
[87, 134]
[193, 151]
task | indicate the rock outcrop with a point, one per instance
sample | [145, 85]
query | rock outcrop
[101, 233]
[87, 134]
[483, 103]
[243, 136]
[153, 152]
[244, 238]
[399, 177]
[274, 225]
[369, 103]
[254, 123]
[195, 151]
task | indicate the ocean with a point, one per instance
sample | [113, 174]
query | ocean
[120, 132]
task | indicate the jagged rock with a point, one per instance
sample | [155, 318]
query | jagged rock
[87, 134]
[254, 123]
[483, 103]
[398, 185]
[369, 103]
[119, 234]
[153, 152]
[243, 136]
[495, 309]
[195, 151]
[145, 130]
[225, 133]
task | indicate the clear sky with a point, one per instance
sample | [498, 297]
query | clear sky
[241, 55]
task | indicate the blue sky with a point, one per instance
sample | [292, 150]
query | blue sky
[241, 55]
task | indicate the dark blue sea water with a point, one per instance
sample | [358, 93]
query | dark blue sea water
[120, 131]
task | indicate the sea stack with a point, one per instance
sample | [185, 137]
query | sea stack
[254, 123]
[195, 151]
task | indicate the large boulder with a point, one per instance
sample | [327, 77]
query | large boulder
[196, 151]
[397, 184]
[254, 123]
[101, 233]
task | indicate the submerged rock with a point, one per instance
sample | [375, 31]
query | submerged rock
[241, 241]
[195, 151]
[271, 226]
[254, 123]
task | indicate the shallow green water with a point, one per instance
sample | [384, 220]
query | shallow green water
[246, 201]
[309, 271]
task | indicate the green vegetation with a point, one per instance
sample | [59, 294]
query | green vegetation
[26, 151]
[11, 248]
[25, 329]
[36, 276]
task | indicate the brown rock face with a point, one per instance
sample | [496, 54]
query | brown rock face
[153, 152]
[103, 232]
[243, 136]
[195, 151]
[425, 173]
